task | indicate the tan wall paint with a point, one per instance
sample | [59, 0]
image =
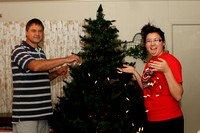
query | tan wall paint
[130, 16]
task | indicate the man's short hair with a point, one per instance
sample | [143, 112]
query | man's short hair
[34, 21]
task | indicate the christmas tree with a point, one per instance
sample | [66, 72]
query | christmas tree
[100, 98]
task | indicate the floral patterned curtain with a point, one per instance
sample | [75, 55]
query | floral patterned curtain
[60, 40]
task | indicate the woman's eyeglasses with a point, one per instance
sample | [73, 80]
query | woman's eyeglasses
[154, 41]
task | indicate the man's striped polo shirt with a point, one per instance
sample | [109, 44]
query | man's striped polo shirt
[32, 96]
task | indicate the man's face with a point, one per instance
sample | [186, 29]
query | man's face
[34, 34]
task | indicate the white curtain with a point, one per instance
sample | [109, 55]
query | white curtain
[60, 40]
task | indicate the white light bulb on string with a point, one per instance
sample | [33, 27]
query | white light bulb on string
[75, 63]
[133, 124]
[139, 130]
[127, 99]
[120, 72]
[89, 74]
[68, 78]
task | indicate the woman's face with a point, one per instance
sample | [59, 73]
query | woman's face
[154, 44]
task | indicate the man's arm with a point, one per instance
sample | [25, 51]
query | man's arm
[45, 65]
[61, 71]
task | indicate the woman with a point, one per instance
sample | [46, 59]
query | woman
[161, 83]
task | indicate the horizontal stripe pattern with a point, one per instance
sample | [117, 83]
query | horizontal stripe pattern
[31, 96]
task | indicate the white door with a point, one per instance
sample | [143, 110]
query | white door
[186, 47]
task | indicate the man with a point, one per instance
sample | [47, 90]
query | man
[32, 105]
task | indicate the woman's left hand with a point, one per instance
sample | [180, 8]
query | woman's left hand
[160, 65]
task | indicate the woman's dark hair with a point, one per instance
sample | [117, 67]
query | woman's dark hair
[34, 21]
[149, 28]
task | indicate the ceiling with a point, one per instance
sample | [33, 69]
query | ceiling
[87, 0]
[58, 0]
[33, 0]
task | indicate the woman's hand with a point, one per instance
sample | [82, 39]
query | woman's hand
[160, 65]
[127, 69]
[132, 70]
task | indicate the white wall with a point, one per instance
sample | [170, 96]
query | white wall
[130, 16]
[188, 55]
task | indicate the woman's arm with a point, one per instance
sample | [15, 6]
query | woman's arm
[175, 88]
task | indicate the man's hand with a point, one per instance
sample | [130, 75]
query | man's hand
[73, 58]
[63, 70]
